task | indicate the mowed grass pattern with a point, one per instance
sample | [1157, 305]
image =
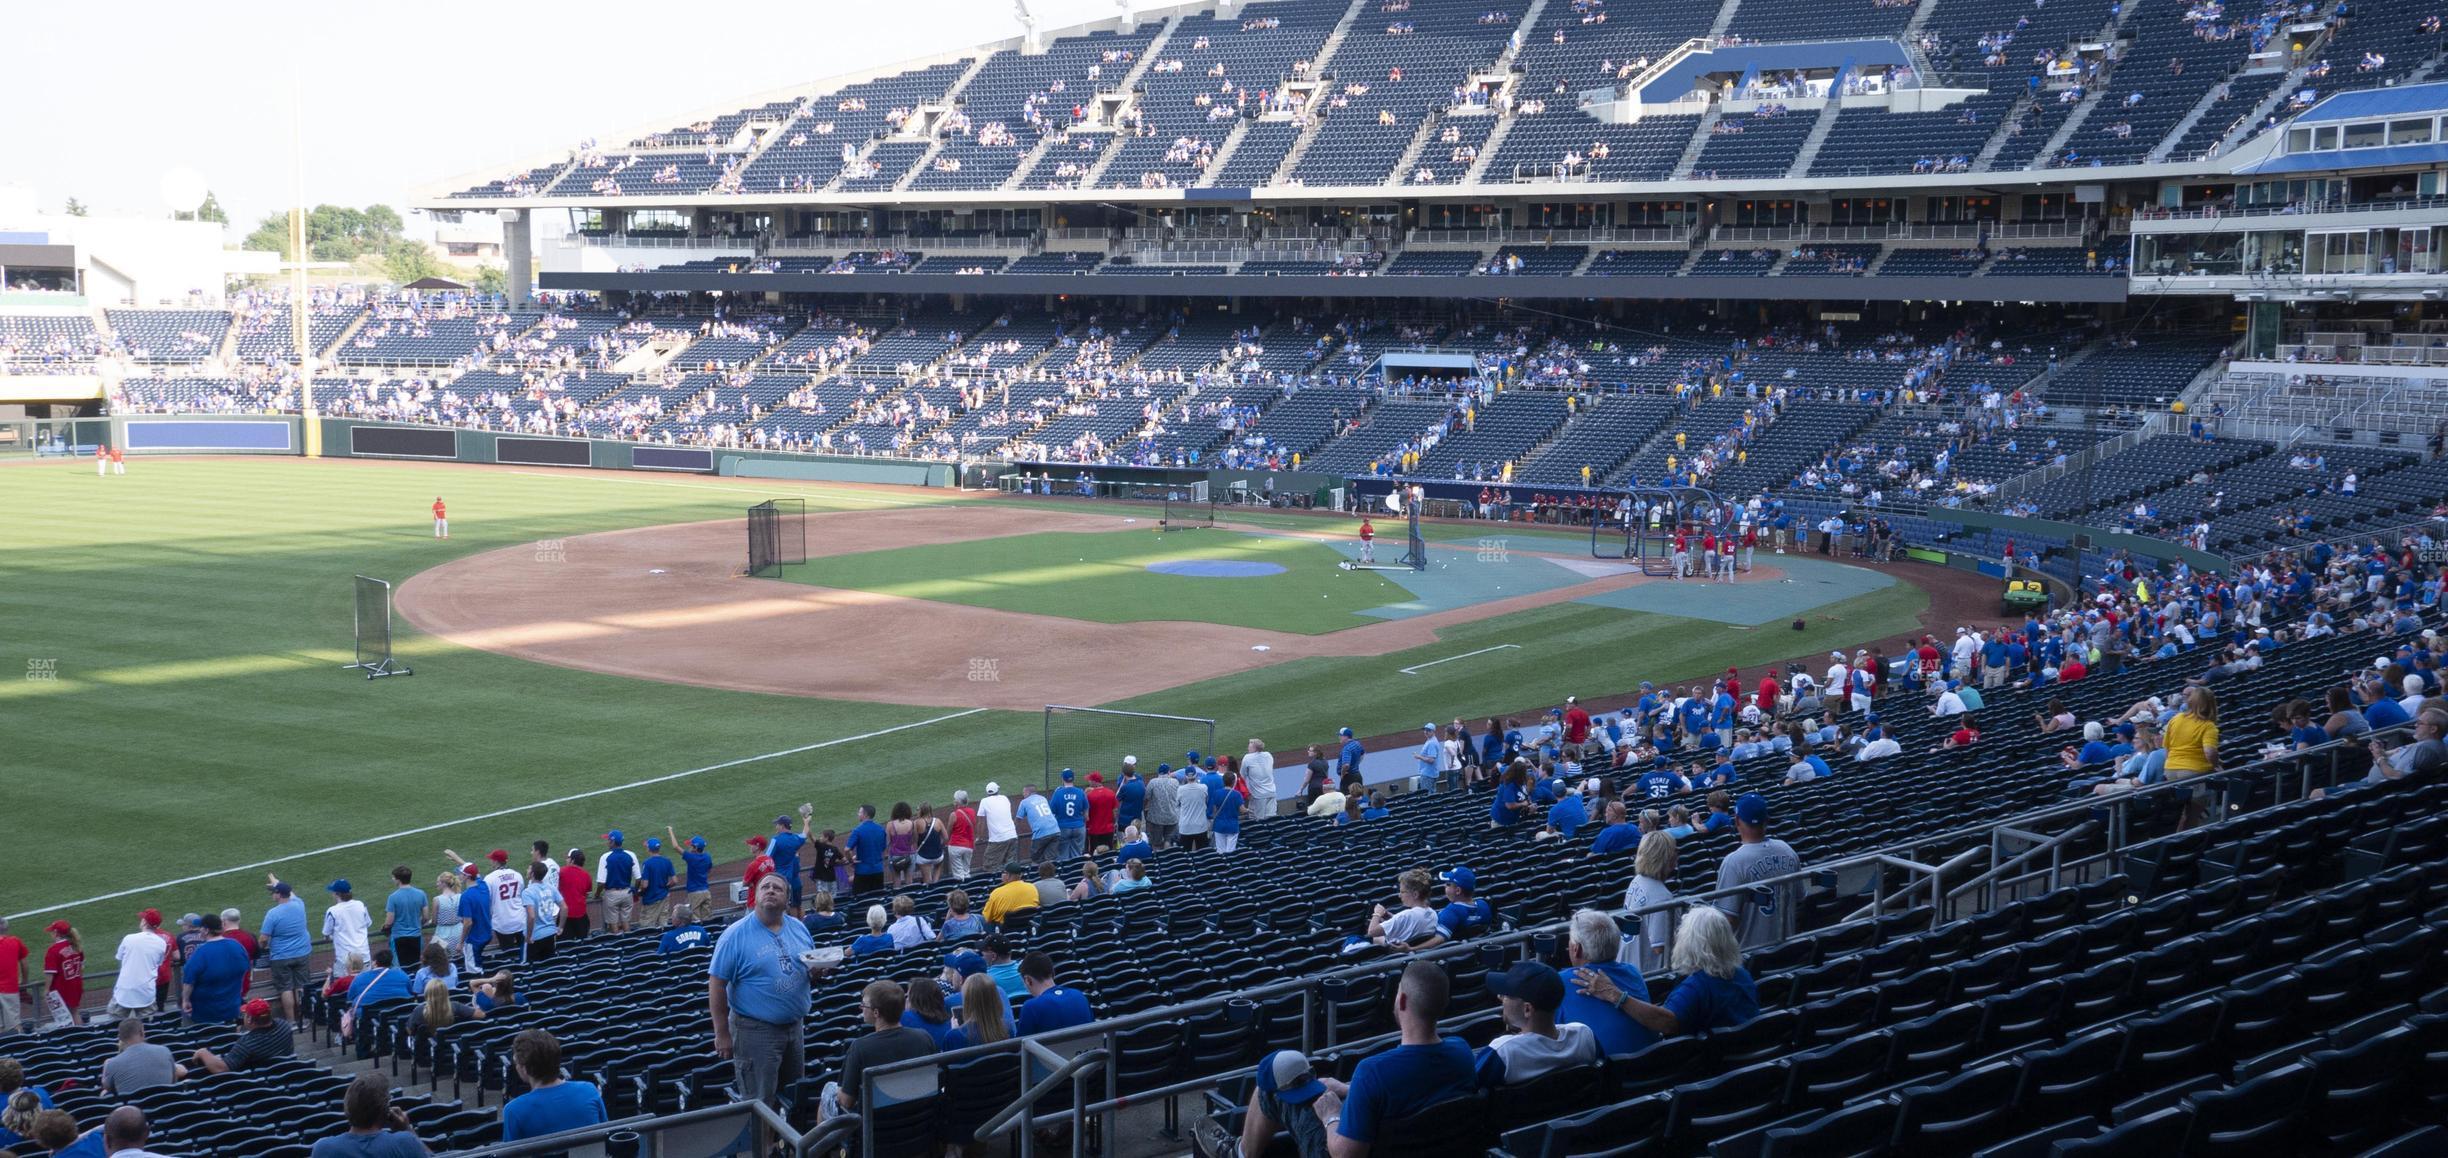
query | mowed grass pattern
[193, 616]
[1103, 577]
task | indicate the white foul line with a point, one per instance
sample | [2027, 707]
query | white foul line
[497, 814]
[1414, 669]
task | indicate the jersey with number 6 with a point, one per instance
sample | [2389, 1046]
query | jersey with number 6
[509, 908]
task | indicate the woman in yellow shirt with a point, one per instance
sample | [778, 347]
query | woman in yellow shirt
[2192, 745]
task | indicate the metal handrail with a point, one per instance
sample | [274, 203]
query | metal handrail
[774, 1130]
[1066, 1072]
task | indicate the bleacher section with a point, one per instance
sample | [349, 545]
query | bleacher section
[170, 336]
[2148, 373]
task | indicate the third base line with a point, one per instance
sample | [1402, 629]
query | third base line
[1415, 668]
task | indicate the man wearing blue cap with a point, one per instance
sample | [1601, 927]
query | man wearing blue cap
[1349, 761]
[696, 868]
[784, 848]
[1464, 914]
[654, 886]
[615, 883]
[1070, 806]
[1530, 993]
[1763, 914]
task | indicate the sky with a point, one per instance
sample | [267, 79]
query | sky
[103, 100]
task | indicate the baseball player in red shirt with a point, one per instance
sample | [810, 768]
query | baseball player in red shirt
[1368, 540]
[118, 459]
[441, 520]
[101, 461]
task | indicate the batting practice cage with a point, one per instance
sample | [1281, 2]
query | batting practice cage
[373, 630]
[1096, 739]
[777, 536]
[1405, 501]
[1188, 506]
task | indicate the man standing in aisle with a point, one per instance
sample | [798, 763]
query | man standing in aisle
[757, 994]
[998, 835]
[1163, 799]
[1258, 778]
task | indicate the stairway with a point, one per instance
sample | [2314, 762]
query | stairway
[1699, 140]
[924, 159]
[1487, 151]
[1921, 16]
[1521, 35]
[1818, 136]
[1725, 18]
[1334, 40]
[1419, 144]
[2269, 104]
[1300, 145]
[1997, 140]
[2201, 108]
[2071, 125]
[857, 159]
[1224, 152]
[1028, 161]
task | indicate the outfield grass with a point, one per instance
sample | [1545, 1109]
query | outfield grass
[1103, 577]
[191, 618]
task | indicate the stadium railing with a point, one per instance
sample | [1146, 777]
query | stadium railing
[734, 1127]
[1083, 1050]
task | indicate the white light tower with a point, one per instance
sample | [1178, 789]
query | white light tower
[1031, 43]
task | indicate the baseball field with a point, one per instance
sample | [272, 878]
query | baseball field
[176, 721]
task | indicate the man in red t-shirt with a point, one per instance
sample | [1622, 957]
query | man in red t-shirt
[1368, 540]
[441, 519]
[118, 460]
[960, 836]
[575, 882]
[14, 960]
[1768, 693]
[101, 461]
[1102, 805]
[1576, 721]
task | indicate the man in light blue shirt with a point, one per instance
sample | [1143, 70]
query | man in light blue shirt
[1426, 758]
[757, 994]
[1043, 829]
[287, 946]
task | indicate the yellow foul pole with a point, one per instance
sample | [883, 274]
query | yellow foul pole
[300, 311]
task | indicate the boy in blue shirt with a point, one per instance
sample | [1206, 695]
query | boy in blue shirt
[696, 867]
[551, 1104]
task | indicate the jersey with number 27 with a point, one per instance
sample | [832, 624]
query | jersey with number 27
[509, 909]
